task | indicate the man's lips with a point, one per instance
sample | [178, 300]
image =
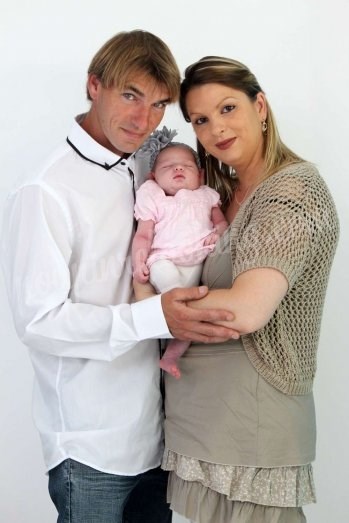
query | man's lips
[133, 135]
[225, 144]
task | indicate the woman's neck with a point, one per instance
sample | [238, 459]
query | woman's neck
[247, 181]
[250, 175]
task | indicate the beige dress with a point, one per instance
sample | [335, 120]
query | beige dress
[239, 450]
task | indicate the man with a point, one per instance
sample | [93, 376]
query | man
[66, 257]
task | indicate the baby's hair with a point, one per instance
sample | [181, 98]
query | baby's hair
[160, 140]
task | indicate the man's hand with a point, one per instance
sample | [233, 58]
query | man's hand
[186, 323]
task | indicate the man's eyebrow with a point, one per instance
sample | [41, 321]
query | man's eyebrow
[135, 89]
[141, 94]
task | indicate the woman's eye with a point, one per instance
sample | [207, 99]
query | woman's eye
[228, 108]
[200, 121]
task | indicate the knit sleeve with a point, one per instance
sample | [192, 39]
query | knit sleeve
[278, 228]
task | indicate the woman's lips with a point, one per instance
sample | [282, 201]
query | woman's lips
[225, 144]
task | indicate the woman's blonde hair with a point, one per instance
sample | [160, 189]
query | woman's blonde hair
[134, 52]
[225, 71]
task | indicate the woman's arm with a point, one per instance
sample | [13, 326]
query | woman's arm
[253, 299]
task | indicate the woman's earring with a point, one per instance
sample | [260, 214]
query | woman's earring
[264, 126]
[207, 154]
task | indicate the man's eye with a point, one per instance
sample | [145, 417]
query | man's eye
[129, 96]
[160, 105]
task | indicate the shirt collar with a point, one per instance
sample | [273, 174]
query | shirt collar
[91, 150]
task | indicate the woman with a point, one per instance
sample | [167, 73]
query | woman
[240, 427]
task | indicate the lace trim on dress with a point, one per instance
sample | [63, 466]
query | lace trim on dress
[281, 487]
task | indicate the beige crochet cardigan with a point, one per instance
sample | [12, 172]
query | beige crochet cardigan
[289, 223]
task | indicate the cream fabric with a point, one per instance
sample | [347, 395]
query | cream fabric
[202, 505]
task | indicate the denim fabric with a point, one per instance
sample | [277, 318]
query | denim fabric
[82, 494]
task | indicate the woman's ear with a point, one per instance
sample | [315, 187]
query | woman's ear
[261, 106]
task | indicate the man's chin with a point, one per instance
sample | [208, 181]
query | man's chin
[130, 147]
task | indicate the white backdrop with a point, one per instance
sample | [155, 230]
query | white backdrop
[299, 50]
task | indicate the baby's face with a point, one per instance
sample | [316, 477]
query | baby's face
[176, 169]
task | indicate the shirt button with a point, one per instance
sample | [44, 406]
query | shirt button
[123, 163]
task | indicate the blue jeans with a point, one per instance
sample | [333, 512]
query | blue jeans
[85, 495]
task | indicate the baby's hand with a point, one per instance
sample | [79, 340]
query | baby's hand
[211, 239]
[141, 273]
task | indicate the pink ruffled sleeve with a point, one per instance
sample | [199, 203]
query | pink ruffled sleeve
[146, 198]
[212, 196]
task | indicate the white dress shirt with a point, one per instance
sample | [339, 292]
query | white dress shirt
[66, 257]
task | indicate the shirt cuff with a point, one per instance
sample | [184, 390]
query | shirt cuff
[139, 321]
[149, 320]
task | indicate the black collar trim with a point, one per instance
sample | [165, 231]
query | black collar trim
[105, 165]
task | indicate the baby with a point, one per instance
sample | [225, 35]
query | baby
[179, 222]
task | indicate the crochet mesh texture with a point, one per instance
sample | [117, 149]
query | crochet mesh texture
[290, 224]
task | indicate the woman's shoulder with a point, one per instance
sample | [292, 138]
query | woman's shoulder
[297, 179]
[300, 188]
[300, 170]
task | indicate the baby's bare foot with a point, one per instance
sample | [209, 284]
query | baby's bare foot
[170, 367]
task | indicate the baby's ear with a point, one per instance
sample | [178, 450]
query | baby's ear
[202, 176]
[150, 176]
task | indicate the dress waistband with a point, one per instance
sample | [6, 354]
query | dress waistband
[212, 349]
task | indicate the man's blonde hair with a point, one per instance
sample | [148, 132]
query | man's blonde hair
[129, 53]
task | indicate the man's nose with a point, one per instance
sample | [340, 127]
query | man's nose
[141, 118]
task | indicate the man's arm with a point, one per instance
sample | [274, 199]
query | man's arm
[38, 262]
[36, 253]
